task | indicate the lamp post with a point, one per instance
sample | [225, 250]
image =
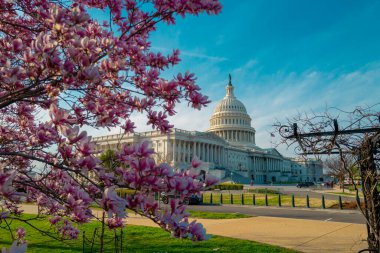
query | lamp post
[231, 177]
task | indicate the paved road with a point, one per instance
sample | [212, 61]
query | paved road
[284, 212]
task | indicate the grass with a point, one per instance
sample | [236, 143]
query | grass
[247, 199]
[213, 215]
[350, 194]
[136, 239]
[264, 191]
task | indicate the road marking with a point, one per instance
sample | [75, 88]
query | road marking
[328, 219]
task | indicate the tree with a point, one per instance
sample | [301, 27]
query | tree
[109, 160]
[357, 135]
[62, 70]
[340, 169]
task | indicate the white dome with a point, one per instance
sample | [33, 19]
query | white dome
[231, 121]
[230, 104]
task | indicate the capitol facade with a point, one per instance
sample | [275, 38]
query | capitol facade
[228, 148]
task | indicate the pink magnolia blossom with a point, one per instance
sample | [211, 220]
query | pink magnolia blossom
[115, 223]
[195, 162]
[20, 233]
[62, 71]
[112, 203]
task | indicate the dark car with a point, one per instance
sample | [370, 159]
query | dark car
[192, 200]
[305, 184]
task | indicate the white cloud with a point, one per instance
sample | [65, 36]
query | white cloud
[195, 53]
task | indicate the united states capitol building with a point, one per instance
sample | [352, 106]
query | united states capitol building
[228, 148]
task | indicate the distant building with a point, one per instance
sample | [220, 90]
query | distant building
[228, 148]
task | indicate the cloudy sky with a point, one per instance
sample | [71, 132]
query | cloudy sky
[284, 56]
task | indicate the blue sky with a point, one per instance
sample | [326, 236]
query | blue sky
[284, 57]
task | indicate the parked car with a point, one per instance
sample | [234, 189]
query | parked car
[305, 184]
[192, 200]
[300, 185]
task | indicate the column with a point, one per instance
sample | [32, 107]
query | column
[182, 151]
[174, 151]
[194, 149]
[186, 151]
[208, 155]
[166, 154]
[203, 151]
[213, 153]
[219, 155]
[187, 156]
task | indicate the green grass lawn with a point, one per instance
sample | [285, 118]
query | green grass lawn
[213, 215]
[136, 239]
[350, 194]
[247, 199]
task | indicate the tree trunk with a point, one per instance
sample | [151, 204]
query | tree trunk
[101, 250]
[370, 192]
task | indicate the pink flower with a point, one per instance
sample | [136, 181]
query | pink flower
[113, 203]
[197, 231]
[55, 220]
[115, 223]
[211, 180]
[17, 45]
[85, 75]
[20, 233]
[129, 126]
[195, 163]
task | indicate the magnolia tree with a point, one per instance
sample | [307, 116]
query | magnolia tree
[55, 58]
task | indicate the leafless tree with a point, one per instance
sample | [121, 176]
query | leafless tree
[358, 135]
[341, 169]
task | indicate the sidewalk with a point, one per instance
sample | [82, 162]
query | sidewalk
[302, 235]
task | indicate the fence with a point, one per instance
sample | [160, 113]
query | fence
[280, 200]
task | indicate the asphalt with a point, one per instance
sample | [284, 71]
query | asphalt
[304, 235]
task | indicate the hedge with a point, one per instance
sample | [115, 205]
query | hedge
[228, 186]
[264, 191]
[123, 192]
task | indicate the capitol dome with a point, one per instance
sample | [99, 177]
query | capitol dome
[231, 121]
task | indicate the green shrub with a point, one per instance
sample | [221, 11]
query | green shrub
[265, 190]
[228, 186]
[123, 192]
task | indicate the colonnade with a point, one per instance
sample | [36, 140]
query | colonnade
[266, 164]
[236, 135]
[184, 151]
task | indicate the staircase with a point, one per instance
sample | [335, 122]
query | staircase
[237, 177]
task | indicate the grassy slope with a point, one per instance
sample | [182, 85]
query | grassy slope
[136, 239]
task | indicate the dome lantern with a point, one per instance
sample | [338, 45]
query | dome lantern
[229, 88]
